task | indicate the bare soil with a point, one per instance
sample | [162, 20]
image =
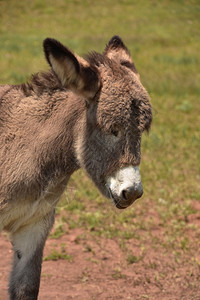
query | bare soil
[99, 269]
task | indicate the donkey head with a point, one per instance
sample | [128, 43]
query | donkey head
[117, 111]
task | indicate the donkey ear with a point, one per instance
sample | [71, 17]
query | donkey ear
[116, 50]
[73, 71]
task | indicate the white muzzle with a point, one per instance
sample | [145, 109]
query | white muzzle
[125, 186]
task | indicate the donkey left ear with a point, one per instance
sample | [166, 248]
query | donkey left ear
[73, 71]
[116, 50]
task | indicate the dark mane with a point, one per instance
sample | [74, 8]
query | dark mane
[96, 59]
[41, 82]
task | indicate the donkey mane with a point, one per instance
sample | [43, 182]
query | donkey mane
[41, 82]
[96, 59]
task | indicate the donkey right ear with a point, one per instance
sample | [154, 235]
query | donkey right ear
[116, 50]
[73, 71]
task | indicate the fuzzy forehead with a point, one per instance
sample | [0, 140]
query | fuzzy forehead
[123, 101]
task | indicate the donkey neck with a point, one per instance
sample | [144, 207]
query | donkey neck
[54, 114]
[64, 113]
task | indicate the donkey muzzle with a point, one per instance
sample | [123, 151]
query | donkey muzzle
[125, 186]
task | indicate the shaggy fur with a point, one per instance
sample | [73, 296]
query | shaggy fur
[87, 113]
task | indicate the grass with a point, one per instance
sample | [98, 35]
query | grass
[117, 274]
[57, 255]
[132, 259]
[163, 37]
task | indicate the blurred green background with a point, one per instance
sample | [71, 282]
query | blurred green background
[164, 40]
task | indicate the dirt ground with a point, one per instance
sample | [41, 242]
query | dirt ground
[98, 269]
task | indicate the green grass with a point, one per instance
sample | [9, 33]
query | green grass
[57, 255]
[163, 37]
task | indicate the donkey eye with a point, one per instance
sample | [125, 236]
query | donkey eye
[115, 132]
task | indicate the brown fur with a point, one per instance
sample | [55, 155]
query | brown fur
[86, 113]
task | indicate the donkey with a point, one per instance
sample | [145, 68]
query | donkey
[85, 112]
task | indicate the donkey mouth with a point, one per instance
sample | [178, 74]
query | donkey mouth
[118, 202]
[121, 207]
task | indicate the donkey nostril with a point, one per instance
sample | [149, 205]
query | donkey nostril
[124, 194]
[131, 193]
[127, 194]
